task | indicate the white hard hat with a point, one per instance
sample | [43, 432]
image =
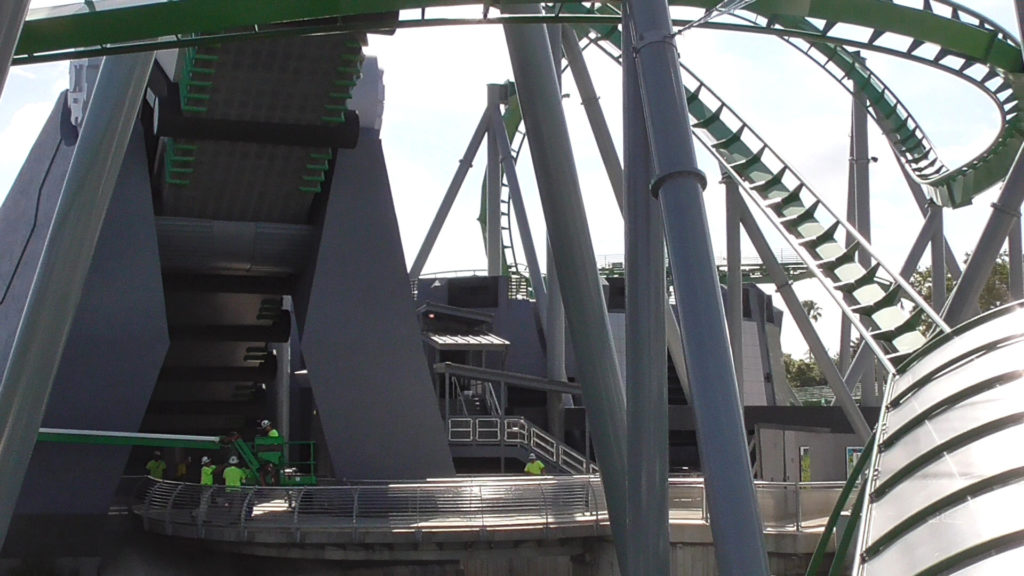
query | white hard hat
[265, 424]
[233, 460]
[533, 456]
[156, 452]
[204, 460]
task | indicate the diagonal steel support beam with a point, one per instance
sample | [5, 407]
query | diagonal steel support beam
[12, 16]
[1005, 213]
[678, 183]
[562, 201]
[63, 267]
[592, 107]
[449, 198]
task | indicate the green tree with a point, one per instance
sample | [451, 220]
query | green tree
[802, 372]
[994, 293]
[812, 309]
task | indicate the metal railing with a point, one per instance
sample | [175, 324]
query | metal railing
[481, 508]
[518, 431]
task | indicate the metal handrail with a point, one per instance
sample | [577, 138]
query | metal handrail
[548, 506]
[516, 430]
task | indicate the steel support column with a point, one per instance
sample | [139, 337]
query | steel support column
[678, 183]
[861, 161]
[606, 147]
[1016, 264]
[493, 225]
[65, 261]
[646, 365]
[734, 276]
[804, 323]
[938, 244]
[1005, 213]
[449, 198]
[497, 127]
[554, 342]
[561, 198]
[12, 16]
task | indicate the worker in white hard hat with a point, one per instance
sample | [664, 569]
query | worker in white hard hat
[233, 475]
[533, 465]
[269, 451]
[206, 471]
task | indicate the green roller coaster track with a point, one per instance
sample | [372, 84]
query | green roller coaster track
[938, 33]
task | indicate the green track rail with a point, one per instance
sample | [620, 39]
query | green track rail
[938, 33]
[882, 306]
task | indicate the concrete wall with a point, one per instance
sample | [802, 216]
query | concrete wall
[360, 338]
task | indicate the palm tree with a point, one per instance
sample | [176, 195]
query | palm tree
[812, 309]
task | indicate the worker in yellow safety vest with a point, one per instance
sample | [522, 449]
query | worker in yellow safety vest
[156, 466]
[233, 475]
[206, 471]
[534, 466]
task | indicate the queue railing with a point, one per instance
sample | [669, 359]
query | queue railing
[491, 507]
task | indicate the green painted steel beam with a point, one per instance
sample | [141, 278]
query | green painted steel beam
[112, 438]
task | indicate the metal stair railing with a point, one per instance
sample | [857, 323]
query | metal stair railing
[892, 310]
[518, 431]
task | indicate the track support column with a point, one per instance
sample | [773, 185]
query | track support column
[678, 183]
[734, 276]
[561, 199]
[67, 255]
[646, 365]
[493, 225]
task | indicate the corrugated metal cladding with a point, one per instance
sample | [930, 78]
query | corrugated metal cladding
[473, 341]
[947, 494]
[294, 80]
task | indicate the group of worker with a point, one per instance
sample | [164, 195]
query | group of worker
[230, 473]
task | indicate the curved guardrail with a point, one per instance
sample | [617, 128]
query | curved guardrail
[454, 509]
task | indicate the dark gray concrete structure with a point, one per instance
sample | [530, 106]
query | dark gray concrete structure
[359, 306]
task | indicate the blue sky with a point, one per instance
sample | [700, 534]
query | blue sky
[436, 89]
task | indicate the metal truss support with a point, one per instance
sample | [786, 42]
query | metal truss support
[554, 342]
[449, 198]
[497, 128]
[678, 183]
[804, 323]
[492, 226]
[63, 266]
[646, 365]
[561, 199]
[1005, 213]
[12, 16]
[734, 275]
